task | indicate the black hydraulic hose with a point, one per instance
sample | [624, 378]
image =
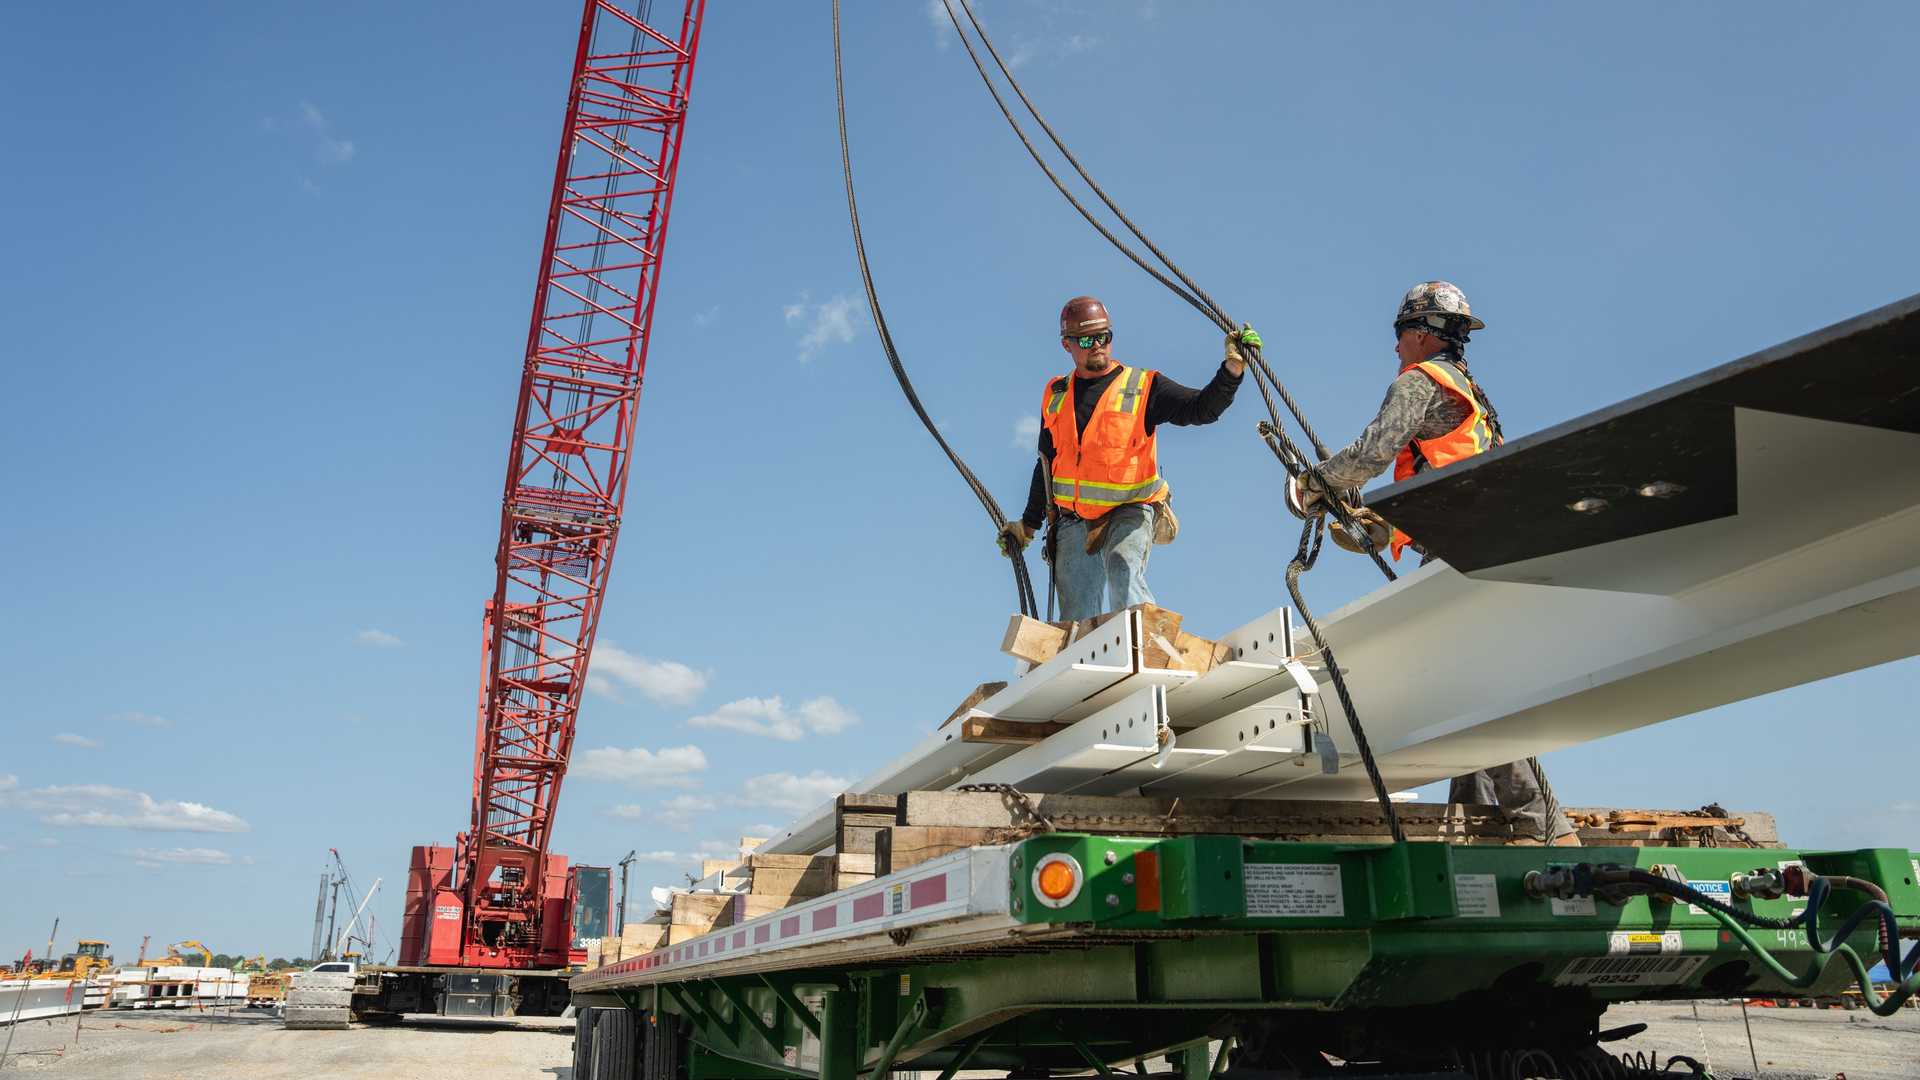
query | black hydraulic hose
[1023, 583]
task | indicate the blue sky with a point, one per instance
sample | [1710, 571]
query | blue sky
[270, 276]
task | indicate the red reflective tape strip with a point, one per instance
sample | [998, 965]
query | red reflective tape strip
[761, 933]
[826, 918]
[790, 927]
[1146, 881]
[926, 891]
[739, 939]
[870, 906]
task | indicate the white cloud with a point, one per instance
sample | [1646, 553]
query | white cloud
[672, 766]
[668, 682]
[681, 810]
[379, 639]
[820, 325]
[771, 717]
[1078, 43]
[46, 841]
[796, 794]
[103, 807]
[192, 856]
[663, 857]
[942, 25]
[705, 318]
[68, 738]
[330, 149]
[145, 720]
[1026, 433]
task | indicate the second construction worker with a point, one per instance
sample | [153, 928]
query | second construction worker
[1434, 415]
[1099, 450]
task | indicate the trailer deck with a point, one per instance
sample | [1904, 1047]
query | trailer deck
[963, 960]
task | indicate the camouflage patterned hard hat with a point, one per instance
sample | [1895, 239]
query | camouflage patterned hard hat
[1438, 308]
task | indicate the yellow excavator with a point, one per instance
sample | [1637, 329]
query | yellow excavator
[173, 957]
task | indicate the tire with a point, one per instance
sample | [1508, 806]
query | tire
[613, 1038]
[583, 1023]
[660, 1048]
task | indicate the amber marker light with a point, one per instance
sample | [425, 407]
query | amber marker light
[1056, 880]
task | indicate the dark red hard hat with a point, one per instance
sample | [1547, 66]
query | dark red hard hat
[1084, 315]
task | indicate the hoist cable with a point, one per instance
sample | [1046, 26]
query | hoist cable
[1194, 293]
[1291, 458]
[1263, 375]
[1023, 584]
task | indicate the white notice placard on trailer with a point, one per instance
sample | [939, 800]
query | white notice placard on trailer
[1294, 890]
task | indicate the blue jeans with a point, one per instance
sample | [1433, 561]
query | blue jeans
[1115, 575]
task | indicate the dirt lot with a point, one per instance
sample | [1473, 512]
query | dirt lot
[1792, 1044]
[245, 1045]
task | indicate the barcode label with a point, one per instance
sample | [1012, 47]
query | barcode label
[1629, 971]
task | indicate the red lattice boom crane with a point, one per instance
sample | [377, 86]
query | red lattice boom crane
[498, 898]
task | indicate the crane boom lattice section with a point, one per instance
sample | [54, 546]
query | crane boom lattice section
[572, 439]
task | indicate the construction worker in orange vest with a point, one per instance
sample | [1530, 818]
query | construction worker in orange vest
[1434, 415]
[1098, 478]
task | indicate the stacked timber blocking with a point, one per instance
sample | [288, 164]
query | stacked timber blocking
[859, 820]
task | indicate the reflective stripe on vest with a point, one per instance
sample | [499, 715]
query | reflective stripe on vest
[1115, 462]
[1471, 436]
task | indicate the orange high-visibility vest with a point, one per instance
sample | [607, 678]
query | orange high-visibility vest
[1116, 462]
[1473, 436]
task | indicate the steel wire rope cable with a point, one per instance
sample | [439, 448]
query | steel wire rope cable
[1023, 583]
[1291, 458]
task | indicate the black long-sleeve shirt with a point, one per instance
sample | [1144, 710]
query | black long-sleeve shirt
[1168, 402]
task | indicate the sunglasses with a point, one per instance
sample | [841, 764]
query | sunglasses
[1091, 341]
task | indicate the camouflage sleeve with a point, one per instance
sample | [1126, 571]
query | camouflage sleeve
[1400, 416]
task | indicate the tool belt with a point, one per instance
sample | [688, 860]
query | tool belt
[1165, 525]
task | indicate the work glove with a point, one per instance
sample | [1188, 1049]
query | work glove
[1014, 536]
[1379, 533]
[1305, 499]
[1246, 335]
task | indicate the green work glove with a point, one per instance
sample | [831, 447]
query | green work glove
[1246, 335]
[1014, 536]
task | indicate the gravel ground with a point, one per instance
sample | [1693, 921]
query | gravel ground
[251, 1045]
[1792, 1044]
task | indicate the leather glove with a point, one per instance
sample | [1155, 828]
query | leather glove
[1014, 536]
[1379, 533]
[1304, 500]
[1246, 335]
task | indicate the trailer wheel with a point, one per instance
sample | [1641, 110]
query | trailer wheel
[663, 1050]
[583, 1022]
[613, 1046]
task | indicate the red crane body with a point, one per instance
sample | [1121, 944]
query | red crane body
[499, 898]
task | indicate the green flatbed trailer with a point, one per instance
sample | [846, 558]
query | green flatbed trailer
[1297, 959]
